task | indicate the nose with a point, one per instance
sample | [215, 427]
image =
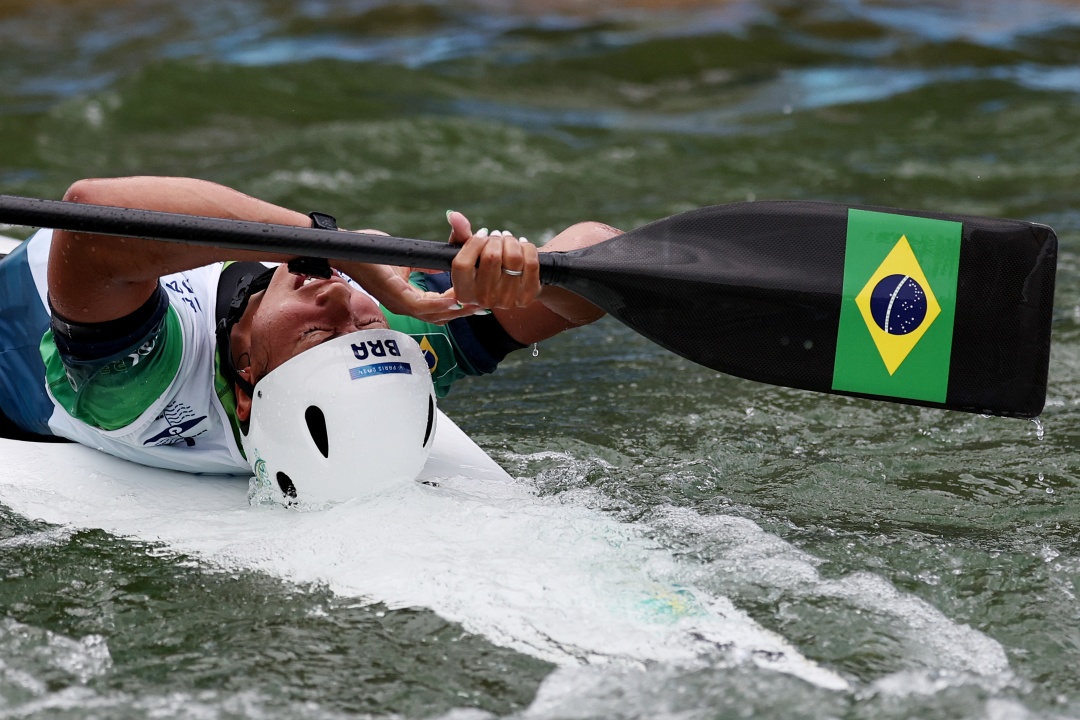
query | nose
[333, 293]
[334, 303]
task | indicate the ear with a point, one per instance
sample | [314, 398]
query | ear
[243, 406]
[243, 400]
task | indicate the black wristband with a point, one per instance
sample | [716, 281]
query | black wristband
[322, 221]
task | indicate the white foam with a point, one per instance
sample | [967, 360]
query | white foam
[49, 537]
[550, 576]
[677, 693]
[82, 702]
[27, 654]
[557, 580]
[930, 639]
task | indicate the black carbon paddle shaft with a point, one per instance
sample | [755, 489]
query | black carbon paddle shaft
[770, 291]
[225, 233]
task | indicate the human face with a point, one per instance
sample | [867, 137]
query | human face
[298, 312]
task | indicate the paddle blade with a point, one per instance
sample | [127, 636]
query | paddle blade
[922, 308]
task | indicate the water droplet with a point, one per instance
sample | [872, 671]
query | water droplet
[1040, 431]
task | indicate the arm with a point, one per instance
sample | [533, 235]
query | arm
[96, 278]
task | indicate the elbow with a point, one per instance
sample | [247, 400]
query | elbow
[90, 191]
[581, 235]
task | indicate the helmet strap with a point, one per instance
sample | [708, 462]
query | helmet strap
[254, 278]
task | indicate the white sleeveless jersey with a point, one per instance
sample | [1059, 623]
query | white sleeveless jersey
[186, 428]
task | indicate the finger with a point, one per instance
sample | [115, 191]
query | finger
[463, 271]
[469, 308]
[460, 227]
[441, 317]
[438, 308]
[530, 280]
[489, 275]
[513, 270]
[457, 310]
[401, 297]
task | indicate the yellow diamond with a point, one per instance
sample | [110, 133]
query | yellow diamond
[894, 347]
[430, 355]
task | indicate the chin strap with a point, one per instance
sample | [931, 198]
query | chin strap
[246, 285]
[253, 278]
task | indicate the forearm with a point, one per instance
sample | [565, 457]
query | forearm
[574, 309]
[94, 278]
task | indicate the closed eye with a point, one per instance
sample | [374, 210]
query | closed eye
[316, 335]
[319, 335]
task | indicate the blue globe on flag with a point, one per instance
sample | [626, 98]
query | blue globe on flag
[898, 304]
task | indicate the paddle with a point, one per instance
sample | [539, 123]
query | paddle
[928, 309]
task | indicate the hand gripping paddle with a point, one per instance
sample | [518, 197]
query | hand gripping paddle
[931, 309]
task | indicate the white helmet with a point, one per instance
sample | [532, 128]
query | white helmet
[352, 416]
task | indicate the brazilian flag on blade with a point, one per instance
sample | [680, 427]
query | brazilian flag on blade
[895, 335]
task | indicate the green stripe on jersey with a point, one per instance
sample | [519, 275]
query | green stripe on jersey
[226, 394]
[113, 392]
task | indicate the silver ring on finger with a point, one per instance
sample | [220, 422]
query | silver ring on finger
[513, 273]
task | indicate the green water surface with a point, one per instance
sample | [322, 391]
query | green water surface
[386, 114]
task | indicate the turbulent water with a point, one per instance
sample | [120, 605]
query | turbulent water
[928, 558]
